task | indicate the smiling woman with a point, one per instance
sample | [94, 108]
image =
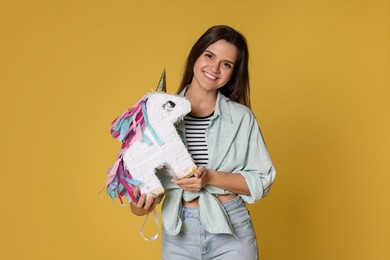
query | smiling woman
[214, 68]
[207, 213]
[319, 88]
[234, 50]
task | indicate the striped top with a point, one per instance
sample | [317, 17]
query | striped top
[196, 138]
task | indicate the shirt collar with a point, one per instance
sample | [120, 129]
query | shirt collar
[221, 107]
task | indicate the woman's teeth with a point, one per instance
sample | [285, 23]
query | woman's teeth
[209, 76]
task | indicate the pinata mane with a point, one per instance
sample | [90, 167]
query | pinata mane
[131, 124]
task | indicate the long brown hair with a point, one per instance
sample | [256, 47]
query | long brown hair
[237, 89]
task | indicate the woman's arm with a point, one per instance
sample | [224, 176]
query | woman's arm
[225, 180]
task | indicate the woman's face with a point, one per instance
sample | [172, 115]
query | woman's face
[214, 67]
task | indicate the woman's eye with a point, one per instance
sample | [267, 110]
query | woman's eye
[228, 65]
[208, 55]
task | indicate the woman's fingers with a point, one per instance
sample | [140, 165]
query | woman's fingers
[195, 183]
[148, 203]
[144, 205]
[141, 201]
[154, 204]
[145, 202]
[136, 192]
[199, 172]
[190, 184]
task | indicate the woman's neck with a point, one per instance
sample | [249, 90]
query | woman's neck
[202, 102]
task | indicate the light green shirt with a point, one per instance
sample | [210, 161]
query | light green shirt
[235, 144]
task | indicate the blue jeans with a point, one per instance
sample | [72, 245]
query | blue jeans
[193, 242]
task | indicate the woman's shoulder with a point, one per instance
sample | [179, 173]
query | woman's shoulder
[238, 109]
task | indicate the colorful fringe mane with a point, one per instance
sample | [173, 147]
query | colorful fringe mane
[127, 128]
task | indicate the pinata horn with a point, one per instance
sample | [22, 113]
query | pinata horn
[162, 84]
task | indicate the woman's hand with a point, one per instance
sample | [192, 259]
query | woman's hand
[228, 181]
[144, 205]
[200, 179]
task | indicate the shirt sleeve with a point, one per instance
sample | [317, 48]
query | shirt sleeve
[258, 170]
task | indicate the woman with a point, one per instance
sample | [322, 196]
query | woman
[205, 217]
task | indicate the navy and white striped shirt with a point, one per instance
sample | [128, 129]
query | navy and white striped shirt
[196, 139]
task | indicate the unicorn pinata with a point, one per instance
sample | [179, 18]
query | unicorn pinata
[149, 142]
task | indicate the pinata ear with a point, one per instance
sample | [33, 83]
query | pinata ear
[162, 84]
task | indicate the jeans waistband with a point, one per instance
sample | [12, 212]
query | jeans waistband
[233, 204]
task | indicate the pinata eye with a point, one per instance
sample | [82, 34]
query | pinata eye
[169, 105]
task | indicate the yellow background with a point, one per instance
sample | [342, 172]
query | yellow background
[320, 90]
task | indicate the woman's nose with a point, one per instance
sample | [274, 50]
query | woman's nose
[215, 66]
